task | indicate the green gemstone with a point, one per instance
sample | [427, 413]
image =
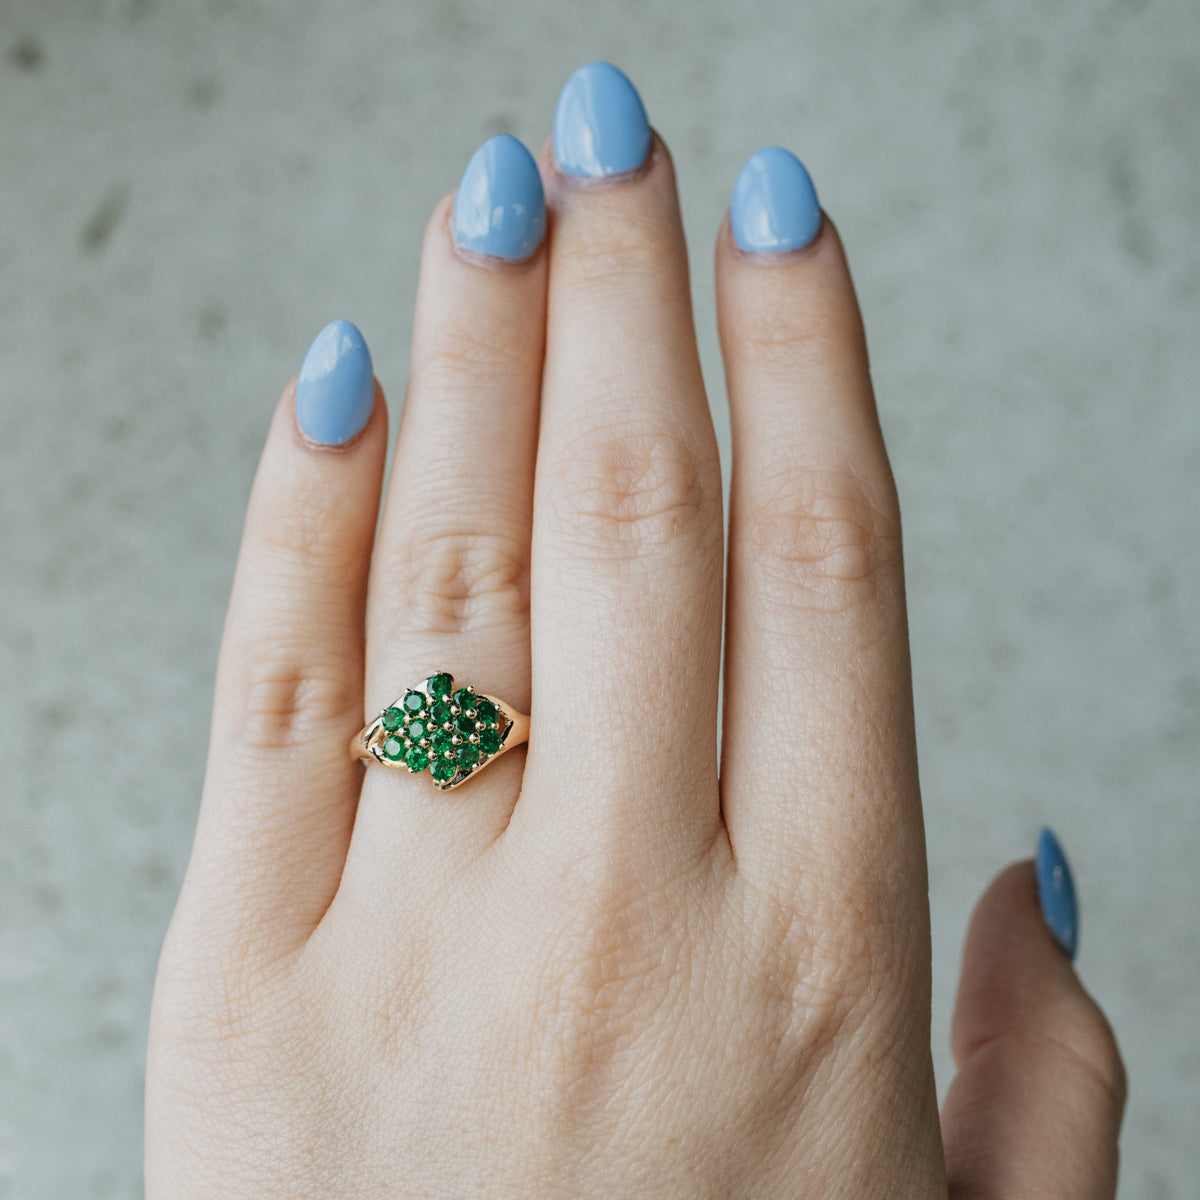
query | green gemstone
[417, 759]
[440, 714]
[417, 729]
[441, 742]
[487, 712]
[393, 718]
[414, 702]
[393, 748]
[443, 769]
[489, 741]
[464, 726]
[465, 698]
[467, 754]
[440, 685]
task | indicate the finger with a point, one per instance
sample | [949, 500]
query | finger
[627, 542]
[280, 791]
[818, 758]
[1036, 1107]
[450, 586]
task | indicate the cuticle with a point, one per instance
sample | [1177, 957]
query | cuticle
[494, 262]
[588, 182]
[324, 447]
[779, 257]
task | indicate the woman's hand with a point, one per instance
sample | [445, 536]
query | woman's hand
[600, 969]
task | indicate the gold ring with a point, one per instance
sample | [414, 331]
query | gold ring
[448, 729]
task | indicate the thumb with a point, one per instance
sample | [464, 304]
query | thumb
[1036, 1105]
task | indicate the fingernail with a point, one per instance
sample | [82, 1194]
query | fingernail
[499, 208]
[600, 126]
[335, 392]
[774, 205]
[1056, 892]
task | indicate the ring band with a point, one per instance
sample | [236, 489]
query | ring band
[449, 729]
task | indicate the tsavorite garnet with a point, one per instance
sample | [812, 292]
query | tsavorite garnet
[489, 741]
[414, 702]
[441, 742]
[443, 769]
[467, 754]
[393, 748]
[416, 729]
[440, 685]
[393, 718]
[464, 726]
[440, 714]
[417, 759]
[465, 698]
[486, 712]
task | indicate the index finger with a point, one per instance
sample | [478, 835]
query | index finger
[819, 779]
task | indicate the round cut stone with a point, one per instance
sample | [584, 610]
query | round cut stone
[413, 703]
[439, 685]
[443, 770]
[440, 714]
[393, 718]
[465, 698]
[486, 711]
[417, 729]
[417, 759]
[441, 741]
[467, 754]
[489, 741]
[393, 748]
[464, 726]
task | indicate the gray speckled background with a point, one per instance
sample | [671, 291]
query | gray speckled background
[189, 191]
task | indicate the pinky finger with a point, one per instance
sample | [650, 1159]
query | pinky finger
[281, 787]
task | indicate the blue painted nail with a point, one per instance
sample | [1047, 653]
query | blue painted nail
[335, 393]
[1056, 891]
[499, 208]
[774, 205]
[600, 126]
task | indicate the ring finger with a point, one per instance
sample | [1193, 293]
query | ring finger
[449, 587]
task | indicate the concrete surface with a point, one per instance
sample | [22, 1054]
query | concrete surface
[189, 191]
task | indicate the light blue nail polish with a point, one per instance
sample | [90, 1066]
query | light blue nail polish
[335, 392]
[774, 205]
[499, 208]
[600, 126]
[1056, 892]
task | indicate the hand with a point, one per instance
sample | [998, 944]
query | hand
[598, 969]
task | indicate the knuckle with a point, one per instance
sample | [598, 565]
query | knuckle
[821, 540]
[450, 581]
[292, 537]
[781, 341]
[628, 248]
[830, 957]
[598, 986]
[1084, 1035]
[460, 356]
[288, 700]
[854, 943]
[629, 493]
[822, 966]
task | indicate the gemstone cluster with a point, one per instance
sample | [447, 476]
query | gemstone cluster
[446, 729]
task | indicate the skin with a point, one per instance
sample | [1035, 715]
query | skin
[604, 967]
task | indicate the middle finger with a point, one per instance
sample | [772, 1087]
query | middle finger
[626, 558]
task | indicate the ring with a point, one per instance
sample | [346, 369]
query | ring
[453, 731]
